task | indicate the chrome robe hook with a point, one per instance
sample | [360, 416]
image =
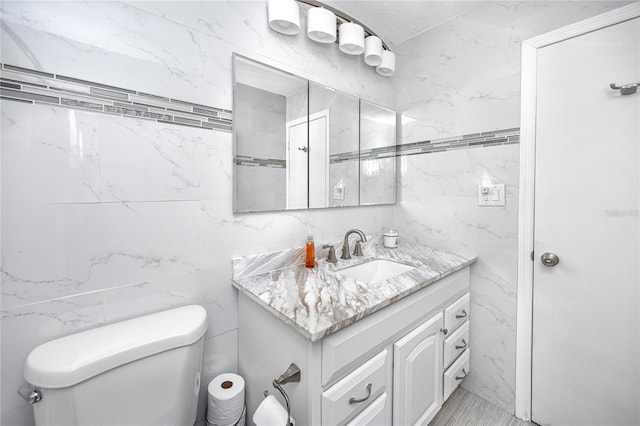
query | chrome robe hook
[625, 89]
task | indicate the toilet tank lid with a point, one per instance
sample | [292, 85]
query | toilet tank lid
[72, 359]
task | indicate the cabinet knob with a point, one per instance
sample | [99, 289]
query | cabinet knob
[463, 346]
[353, 400]
[464, 374]
[444, 331]
[463, 315]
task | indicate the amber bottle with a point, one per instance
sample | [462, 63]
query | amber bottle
[310, 259]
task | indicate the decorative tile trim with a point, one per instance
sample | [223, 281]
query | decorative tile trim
[344, 157]
[31, 86]
[241, 160]
[379, 153]
[367, 154]
[474, 140]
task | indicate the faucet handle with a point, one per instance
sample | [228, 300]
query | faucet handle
[357, 251]
[331, 257]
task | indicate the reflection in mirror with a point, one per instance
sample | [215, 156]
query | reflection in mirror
[301, 145]
[333, 148]
[270, 138]
[377, 154]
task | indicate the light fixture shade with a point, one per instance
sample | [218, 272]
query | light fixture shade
[284, 16]
[388, 65]
[372, 51]
[351, 38]
[321, 25]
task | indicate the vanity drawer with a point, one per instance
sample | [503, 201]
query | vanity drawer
[356, 390]
[456, 374]
[375, 414]
[455, 344]
[456, 313]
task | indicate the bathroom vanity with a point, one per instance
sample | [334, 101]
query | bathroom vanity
[386, 352]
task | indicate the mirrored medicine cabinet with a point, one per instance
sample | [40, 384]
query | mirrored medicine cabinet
[300, 145]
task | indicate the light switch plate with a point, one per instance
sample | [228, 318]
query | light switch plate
[491, 195]
[338, 192]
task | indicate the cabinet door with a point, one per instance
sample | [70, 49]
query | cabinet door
[417, 374]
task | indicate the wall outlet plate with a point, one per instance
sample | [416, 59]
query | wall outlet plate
[491, 195]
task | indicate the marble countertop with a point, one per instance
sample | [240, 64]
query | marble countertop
[319, 301]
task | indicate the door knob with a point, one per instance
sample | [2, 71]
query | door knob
[549, 259]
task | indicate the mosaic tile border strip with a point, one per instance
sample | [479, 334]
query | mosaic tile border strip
[241, 160]
[344, 157]
[27, 85]
[368, 154]
[473, 140]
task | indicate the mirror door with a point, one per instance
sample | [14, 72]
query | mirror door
[270, 138]
[377, 154]
[335, 137]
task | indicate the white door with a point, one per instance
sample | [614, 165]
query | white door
[308, 162]
[297, 164]
[417, 374]
[586, 322]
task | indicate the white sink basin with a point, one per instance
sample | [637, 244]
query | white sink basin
[375, 270]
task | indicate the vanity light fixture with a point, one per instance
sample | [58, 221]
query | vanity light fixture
[284, 16]
[373, 51]
[388, 65]
[322, 19]
[321, 25]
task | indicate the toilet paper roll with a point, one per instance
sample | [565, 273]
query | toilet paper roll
[241, 421]
[271, 413]
[226, 399]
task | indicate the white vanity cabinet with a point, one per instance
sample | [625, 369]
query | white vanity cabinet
[391, 367]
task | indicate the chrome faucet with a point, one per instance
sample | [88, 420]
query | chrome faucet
[345, 245]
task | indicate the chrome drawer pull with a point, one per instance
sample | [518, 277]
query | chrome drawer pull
[462, 377]
[464, 314]
[464, 345]
[353, 400]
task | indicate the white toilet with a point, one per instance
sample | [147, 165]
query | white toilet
[143, 371]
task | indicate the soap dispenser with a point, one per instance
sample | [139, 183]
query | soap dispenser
[310, 260]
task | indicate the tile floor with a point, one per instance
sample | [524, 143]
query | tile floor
[466, 409]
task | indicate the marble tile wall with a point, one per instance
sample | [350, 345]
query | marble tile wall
[107, 217]
[459, 78]
[438, 207]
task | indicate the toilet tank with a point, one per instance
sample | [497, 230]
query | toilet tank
[143, 371]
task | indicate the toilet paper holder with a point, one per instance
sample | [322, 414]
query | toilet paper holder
[292, 375]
